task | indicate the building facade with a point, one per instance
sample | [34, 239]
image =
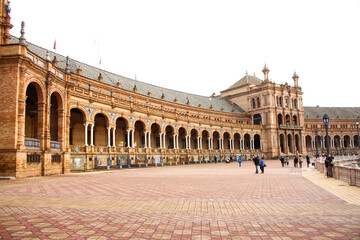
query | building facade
[61, 115]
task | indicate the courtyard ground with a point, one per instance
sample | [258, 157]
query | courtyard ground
[203, 201]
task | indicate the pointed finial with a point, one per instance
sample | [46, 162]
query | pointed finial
[22, 31]
[67, 67]
[247, 79]
[47, 56]
[266, 73]
[295, 77]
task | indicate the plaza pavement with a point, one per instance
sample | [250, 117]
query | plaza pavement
[203, 201]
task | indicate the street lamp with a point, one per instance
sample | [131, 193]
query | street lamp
[357, 126]
[316, 135]
[326, 123]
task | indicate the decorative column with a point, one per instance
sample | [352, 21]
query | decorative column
[132, 138]
[128, 138]
[160, 140]
[92, 135]
[164, 141]
[86, 134]
[189, 142]
[177, 141]
[109, 131]
[114, 144]
[145, 136]
[149, 142]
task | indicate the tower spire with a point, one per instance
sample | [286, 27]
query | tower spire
[22, 31]
[296, 79]
[266, 73]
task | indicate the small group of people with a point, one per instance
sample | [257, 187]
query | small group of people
[329, 165]
[298, 161]
[259, 163]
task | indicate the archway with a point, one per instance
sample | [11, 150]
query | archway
[336, 141]
[308, 141]
[356, 141]
[205, 139]
[282, 143]
[287, 119]
[236, 141]
[290, 143]
[295, 120]
[169, 137]
[346, 141]
[139, 134]
[247, 141]
[100, 130]
[257, 119]
[226, 140]
[182, 138]
[257, 141]
[155, 135]
[297, 143]
[216, 137]
[77, 128]
[121, 132]
[280, 119]
[194, 139]
[33, 111]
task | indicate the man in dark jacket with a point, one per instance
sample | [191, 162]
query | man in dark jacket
[256, 162]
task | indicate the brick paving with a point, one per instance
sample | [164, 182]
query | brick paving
[206, 201]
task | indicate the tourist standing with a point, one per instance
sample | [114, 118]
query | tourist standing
[282, 160]
[300, 161]
[287, 161]
[262, 165]
[307, 160]
[240, 160]
[256, 162]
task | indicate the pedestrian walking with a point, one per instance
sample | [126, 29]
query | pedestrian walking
[256, 161]
[307, 160]
[262, 165]
[287, 161]
[296, 161]
[282, 160]
[300, 161]
[240, 160]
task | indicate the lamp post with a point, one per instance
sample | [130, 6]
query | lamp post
[316, 146]
[326, 123]
[357, 126]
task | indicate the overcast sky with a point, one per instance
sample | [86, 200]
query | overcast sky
[204, 46]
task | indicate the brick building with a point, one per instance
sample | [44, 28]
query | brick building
[59, 114]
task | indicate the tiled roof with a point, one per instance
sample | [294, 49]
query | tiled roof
[128, 83]
[332, 112]
[247, 79]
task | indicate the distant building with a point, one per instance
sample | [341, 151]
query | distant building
[58, 115]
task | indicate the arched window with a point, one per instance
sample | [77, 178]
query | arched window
[257, 119]
[258, 102]
[280, 119]
[254, 103]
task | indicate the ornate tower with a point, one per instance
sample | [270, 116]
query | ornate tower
[296, 78]
[266, 73]
[5, 24]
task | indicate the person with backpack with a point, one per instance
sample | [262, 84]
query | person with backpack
[262, 165]
[240, 160]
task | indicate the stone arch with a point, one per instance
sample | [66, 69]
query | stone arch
[155, 129]
[169, 137]
[297, 143]
[40, 88]
[205, 139]
[34, 110]
[56, 116]
[287, 119]
[280, 119]
[139, 133]
[194, 138]
[257, 141]
[308, 141]
[100, 131]
[336, 141]
[226, 140]
[216, 138]
[295, 120]
[356, 141]
[76, 127]
[121, 125]
[80, 108]
[247, 142]
[282, 143]
[290, 142]
[106, 115]
[237, 141]
[182, 137]
[257, 119]
[347, 141]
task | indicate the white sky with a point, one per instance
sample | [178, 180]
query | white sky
[204, 46]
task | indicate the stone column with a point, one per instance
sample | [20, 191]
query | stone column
[133, 138]
[149, 142]
[109, 132]
[128, 138]
[164, 141]
[92, 135]
[160, 140]
[145, 136]
[114, 144]
[86, 134]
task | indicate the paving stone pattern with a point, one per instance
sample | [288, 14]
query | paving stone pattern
[206, 201]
